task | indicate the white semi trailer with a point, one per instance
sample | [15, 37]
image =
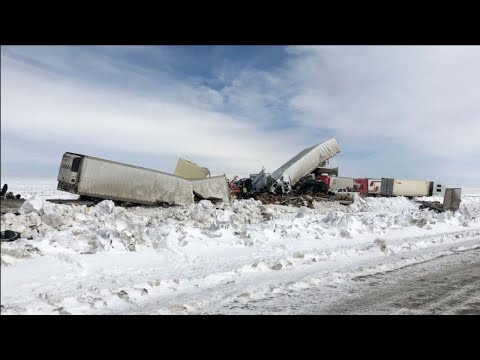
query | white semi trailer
[104, 179]
[305, 162]
[410, 188]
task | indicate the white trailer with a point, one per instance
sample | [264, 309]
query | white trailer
[99, 178]
[409, 188]
[438, 189]
[301, 165]
[214, 187]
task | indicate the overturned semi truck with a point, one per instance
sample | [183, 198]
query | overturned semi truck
[104, 179]
[304, 163]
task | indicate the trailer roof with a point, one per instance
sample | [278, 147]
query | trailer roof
[132, 166]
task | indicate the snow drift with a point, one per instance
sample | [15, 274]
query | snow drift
[110, 259]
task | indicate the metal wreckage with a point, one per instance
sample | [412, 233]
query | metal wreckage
[299, 182]
[94, 178]
[296, 182]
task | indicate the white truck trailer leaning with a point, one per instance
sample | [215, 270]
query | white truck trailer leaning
[104, 179]
[302, 164]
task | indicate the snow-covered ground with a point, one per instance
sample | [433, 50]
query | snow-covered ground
[204, 258]
[43, 187]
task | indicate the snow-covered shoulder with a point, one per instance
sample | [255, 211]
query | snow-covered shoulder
[186, 259]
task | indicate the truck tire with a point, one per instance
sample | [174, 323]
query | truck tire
[9, 235]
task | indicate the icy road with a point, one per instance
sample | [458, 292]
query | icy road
[376, 256]
[447, 284]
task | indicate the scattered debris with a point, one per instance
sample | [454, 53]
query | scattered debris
[260, 181]
[8, 195]
[4, 190]
[300, 181]
[451, 201]
[241, 188]
[340, 196]
[311, 186]
[289, 199]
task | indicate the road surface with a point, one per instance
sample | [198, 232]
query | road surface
[445, 285]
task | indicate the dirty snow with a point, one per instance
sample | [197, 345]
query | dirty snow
[204, 257]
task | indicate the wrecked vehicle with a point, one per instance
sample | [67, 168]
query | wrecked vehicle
[451, 201]
[214, 188]
[282, 180]
[310, 186]
[93, 177]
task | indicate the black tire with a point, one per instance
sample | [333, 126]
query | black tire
[9, 235]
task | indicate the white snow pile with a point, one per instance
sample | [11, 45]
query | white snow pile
[110, 259]
[48, 228]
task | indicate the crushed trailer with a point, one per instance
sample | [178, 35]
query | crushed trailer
[282, 180]
[451, 201]
[93, 177]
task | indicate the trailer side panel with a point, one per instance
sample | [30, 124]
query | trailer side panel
[212, 187]
[452, 199]
[386, 188]
[402, 187]
[111, 180]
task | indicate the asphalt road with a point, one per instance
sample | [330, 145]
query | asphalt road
[448, 284]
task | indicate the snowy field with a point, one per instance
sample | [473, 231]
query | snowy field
[204, 258]
[43, 187]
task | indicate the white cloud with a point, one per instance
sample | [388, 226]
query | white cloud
[38, 106]
[414, 110]
[427, 98]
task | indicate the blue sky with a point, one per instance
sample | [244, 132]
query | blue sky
[396, 111]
